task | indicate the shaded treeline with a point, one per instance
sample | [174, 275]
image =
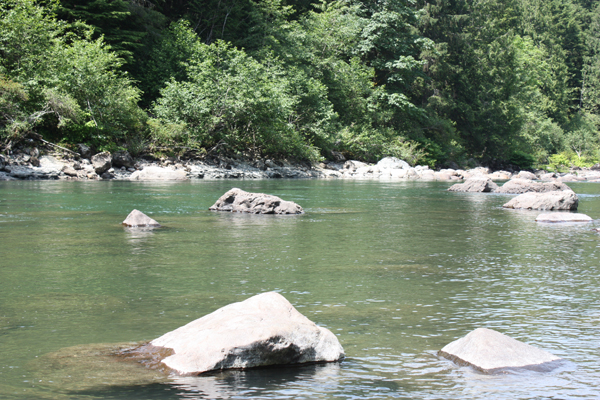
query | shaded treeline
[486, 81]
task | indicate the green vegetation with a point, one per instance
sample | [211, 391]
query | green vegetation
[499, 82]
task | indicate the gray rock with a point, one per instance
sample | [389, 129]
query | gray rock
[102, 162]
[260, 331]
[392, 163]
[563, 217]
[6, 177]
[158, 174]
[2, 162]
[490, 351]
[559, 200]
[238, 200]
[84, 150]
[353, 165]
[518, 186]
[70, 171]
[476, 184]
[122, 159]
[526, 175]
[137, 219]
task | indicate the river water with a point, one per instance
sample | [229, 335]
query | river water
[395, 269]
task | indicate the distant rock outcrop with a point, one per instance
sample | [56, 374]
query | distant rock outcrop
[158, 174]
[137, 219]
[490, 351]
[260, 331]
[559, 200]
[519, 186]
[238, 200]
[476, 184]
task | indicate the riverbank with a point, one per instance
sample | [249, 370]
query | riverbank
[28, 164]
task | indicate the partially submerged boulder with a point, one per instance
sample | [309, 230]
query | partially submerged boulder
[490, 351]
[260, 331]
[137, 219]
[558, 200]
[563, 217]
[519, 186]
[476, 184]
[238, 200]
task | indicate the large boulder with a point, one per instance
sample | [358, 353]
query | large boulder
[559, 200]
[476, 184]
[122, 159]
[238, 200]
[490, 351]
[392, 163]
[518, 186]
[526, 175]
[260, 331]
[102, 162]
[137, 219]
[563, 217]
[158, 174]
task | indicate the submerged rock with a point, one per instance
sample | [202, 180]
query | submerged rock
[137, 219]
[558, 200]
[563, 217]
[519, 186]
[490, 351]
[238, 200]
[260, 331]
[476, 184]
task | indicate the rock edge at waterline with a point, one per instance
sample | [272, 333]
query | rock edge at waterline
[238, 200]
[490, 351]
[264, 330]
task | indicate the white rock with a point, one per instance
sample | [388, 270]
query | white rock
[490, 351]
[559, 200]
[392, 163]
[563, 217]
[137, 219]
[158, 174]
[260, 331]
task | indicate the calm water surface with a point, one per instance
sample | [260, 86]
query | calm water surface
[396, 269]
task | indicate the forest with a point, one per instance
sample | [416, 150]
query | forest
[498, 83]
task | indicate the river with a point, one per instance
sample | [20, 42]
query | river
[395, 269]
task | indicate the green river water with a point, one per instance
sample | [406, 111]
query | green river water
[395, 269]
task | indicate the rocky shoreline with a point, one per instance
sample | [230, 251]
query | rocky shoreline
[28, 164]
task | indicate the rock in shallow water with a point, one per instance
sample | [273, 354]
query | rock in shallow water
[476, 184]
[490, 351]
[137, 219]
[558, 200]
[563, 217]
[260, 331]
[238, 200]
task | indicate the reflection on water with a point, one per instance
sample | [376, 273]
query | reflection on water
[395, 270]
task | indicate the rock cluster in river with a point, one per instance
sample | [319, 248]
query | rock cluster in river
[238, 200]
[260, 331]
[490, 351]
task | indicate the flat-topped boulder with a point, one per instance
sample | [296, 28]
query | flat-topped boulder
[563, 217]
[490, 351]
[476, 184]
[519, 186]
[158, 174]
[137, 219]
[238, 200]
[261, 331]
[558, 200]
